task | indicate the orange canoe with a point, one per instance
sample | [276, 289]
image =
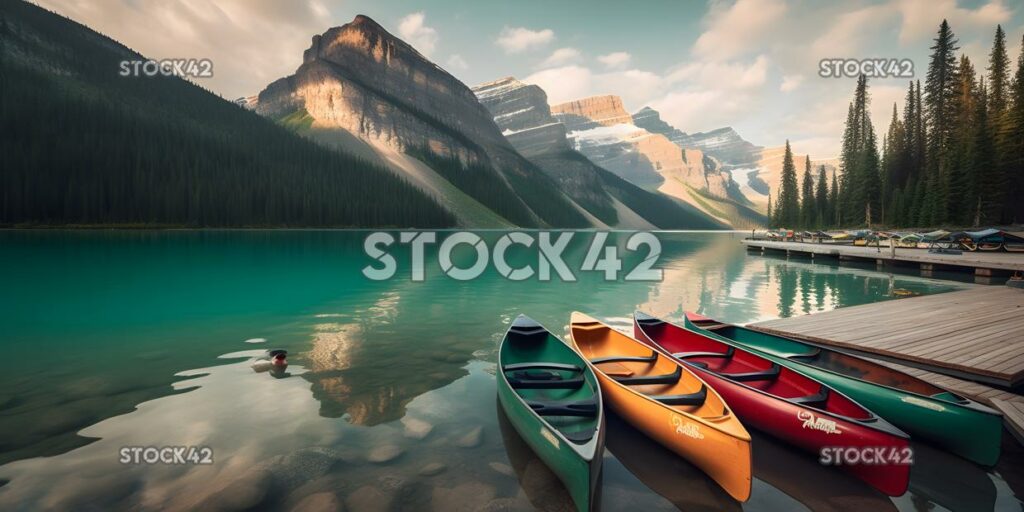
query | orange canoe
[663, 399]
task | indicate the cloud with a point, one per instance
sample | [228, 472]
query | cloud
[921, 18]
[703, 109]
[722, 75]
[520, 39]
[736, 30]
[564, 83]
[853, 31]
[615, 60]
[791, 83]
[456, 62]
[234, 34]
[413, 31]
[560, 57]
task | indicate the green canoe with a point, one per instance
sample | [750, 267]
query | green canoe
[928, 412]
[553, 400]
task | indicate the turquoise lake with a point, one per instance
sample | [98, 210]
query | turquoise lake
[117, 339]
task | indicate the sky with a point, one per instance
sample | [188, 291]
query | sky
[749, 64]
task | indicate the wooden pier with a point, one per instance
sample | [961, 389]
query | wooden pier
[965, 341]
[981, 262]
[977, 334]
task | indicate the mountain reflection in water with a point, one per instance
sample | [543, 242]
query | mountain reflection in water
[390, 397]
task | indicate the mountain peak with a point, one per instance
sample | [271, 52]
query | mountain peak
[606, 110]
[362, 19]
[499, 87]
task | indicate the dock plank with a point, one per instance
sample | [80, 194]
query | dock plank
[1013, 415]
[1006, 261]
[977, 333]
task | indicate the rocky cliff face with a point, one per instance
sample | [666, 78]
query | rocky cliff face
[359, 80]
[523, 114]
[723, 144]
[603, 110]
[644, 157]
[653, 156]
[726, 145]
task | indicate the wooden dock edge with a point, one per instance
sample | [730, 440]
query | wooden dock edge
[951, 369]
[1013, 416]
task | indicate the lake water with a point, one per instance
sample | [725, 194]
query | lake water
[124, 339]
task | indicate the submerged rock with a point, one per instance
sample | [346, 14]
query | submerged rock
[415, 428]
[471, 439]
[432, 469]
[369, 499]
[248, 491]
[384, 453]
[319, 502]
[305, 465]
[504, 469]
[468, 496]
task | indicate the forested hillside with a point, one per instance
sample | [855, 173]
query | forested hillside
[83, 145]
[954, 158]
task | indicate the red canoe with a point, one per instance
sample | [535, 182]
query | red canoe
[785, 404]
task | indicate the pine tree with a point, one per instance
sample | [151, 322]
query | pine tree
[835, 217]
[906, 167]
[956, 181]
[986, 197]
[870, 193]
[788, 207]
[847, 163]
[771, 219]
[894, 162]
[1012, 143]
[940, 111]
[999, 101]
[860, 192]
[822, 217]
[998, 75]
[808, 212]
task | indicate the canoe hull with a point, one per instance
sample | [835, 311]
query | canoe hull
[580, 477]
[724, 458]
[552, 398]
[810, 429]
[969, 431]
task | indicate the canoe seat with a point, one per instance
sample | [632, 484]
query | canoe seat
[580, 436]
[686, 355]
[699, 364]
[642, 380]
[769, 374]
[586, 407]
[626, 359]
[812, 400]
[697, 398]
[542, 380]
[541, 366]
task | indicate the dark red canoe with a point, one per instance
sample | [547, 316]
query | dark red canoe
[790, 406]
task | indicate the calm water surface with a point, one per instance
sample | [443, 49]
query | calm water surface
[120, 339]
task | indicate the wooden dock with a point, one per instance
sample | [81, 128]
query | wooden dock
[981, 262]
[1013, 415]
[975, 334]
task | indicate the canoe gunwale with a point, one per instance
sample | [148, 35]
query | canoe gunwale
[711, 421]
[587, 451]
[971, 404]
[874, 422]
